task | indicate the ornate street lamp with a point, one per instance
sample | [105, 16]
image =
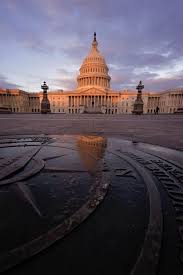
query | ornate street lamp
[138, 104]
[45, 104]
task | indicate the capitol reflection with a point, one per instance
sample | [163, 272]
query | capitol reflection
[91, 150]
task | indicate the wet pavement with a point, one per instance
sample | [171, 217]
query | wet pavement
[89, 204]
[164, 130]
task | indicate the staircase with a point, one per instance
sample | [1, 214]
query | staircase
[93, 110]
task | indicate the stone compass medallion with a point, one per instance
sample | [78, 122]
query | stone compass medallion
[125, 198]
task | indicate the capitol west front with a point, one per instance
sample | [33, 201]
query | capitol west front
[93, 94]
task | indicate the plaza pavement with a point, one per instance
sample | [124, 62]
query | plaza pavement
[164, 130]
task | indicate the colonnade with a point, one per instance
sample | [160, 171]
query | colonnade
[98, 81]
[93, 101]
[153, 102]
[19, 102]
[176, 100]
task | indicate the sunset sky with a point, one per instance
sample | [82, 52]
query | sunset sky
[48, 40]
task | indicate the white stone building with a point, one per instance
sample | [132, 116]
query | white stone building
[93, 94]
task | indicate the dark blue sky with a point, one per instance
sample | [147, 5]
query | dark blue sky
[48, 40]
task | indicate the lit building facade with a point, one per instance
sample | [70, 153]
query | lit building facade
[93, 94]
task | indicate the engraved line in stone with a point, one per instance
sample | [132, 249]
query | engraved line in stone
[170, 184]
[33, 247]
[54, 157]
[25, 190]
[18, 164]
[124, 172]
[148, 258]
[39, 164]
[57, 169]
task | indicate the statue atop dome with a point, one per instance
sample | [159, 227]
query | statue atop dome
[95, 35]
[95, 43]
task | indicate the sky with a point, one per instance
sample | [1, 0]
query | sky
[47, 40]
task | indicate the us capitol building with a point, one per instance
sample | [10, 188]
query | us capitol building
[92, 95]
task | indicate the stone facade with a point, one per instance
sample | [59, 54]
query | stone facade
[15, 100]
[93, 94]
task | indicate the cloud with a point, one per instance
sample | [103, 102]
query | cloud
[142, 38]
[6, 84]
[163, 84]
[65, 80]
[64, 84]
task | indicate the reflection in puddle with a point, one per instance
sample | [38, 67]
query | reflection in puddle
[91, 150]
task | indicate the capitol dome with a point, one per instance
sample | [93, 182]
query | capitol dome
[94, 71]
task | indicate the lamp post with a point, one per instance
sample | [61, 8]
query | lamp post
[138, 104]
[45, 104]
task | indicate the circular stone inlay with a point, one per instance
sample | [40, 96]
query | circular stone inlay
[50, 184]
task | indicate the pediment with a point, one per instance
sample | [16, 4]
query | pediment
[92, 91]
